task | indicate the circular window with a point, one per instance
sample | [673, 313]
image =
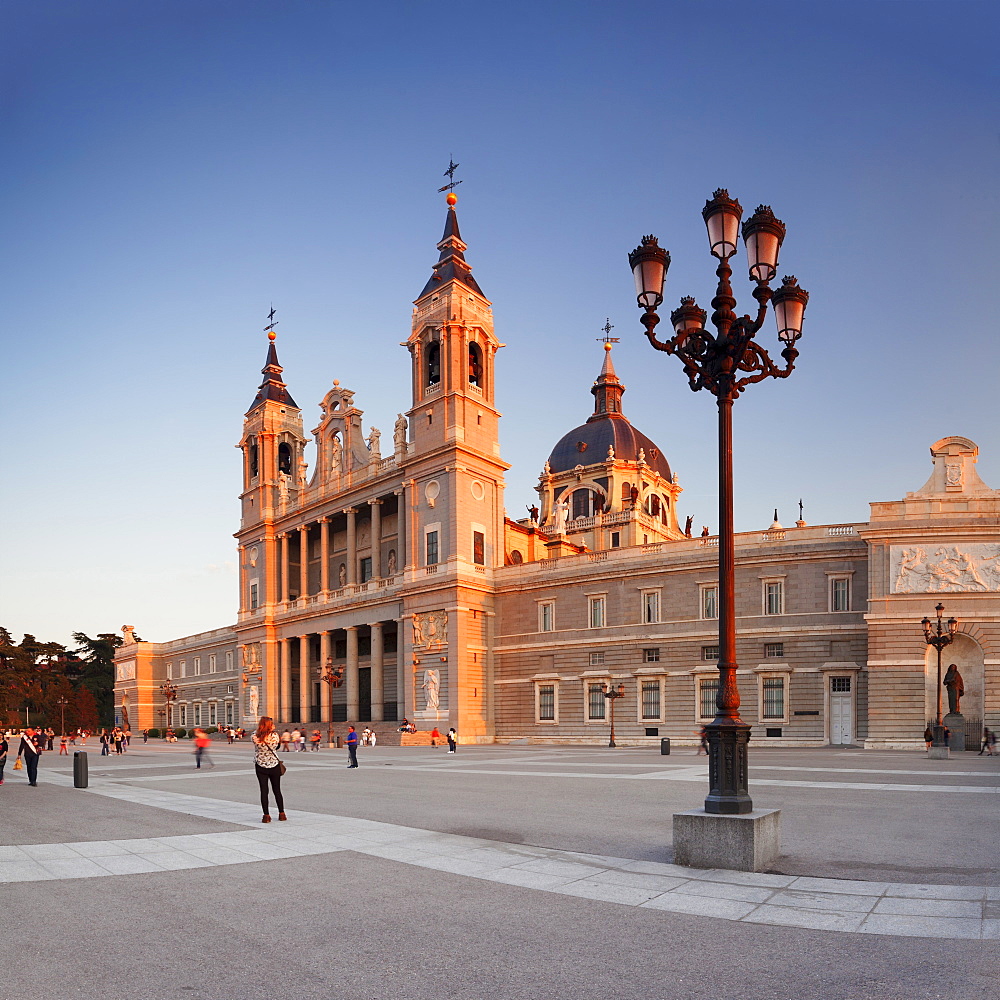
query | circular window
[253, 555]
[478, 490]
[432, 490]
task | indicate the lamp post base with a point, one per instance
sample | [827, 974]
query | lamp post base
[748, 842]
[728, 742]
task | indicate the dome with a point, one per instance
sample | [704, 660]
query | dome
[607, 427]
[588, 445]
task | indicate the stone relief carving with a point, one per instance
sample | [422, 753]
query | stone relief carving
[430, 629]
[251, 656]
[126, 670]
[973, 568]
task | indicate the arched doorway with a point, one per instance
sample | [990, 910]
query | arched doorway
[967, 655]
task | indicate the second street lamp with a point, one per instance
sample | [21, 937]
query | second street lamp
[169, 692]
[725, 363]
[939, 634]
[612, 695]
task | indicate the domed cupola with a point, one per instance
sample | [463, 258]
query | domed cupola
[605, 480]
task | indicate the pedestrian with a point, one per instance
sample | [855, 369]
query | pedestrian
[31, 748]
[286, 739]
[104, 743]
[435, 736]
[317, 738]
[145, 736]
[3, 753]
[452, 740]
[295, 740]
[268, 767]
[201, 744]
[352, 746]
[372, 738]
[231, 735]
[62, 746]
[928, 737]
[992, 749]
[989, 741]
[303, 736]
[702, 742]
[50, 735]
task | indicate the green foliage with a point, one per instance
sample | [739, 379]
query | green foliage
[180, 733]
[212, 729]
[96, 670]
[154, 734]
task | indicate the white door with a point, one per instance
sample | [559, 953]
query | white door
[841, 711]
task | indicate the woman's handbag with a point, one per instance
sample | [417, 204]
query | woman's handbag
[18, 766]
[281, 767]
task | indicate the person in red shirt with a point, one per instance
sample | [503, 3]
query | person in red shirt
[201, 745]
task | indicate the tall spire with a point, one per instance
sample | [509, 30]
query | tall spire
[272, 387]
[607, 389]
[451, 263]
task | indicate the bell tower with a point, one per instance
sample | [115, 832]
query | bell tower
[453, 350]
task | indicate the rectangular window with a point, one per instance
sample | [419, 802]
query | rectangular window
[183, 666]
[774, 597]
[774, 650]
[546, 702]
[616, 539]
[197, 666]
[184, 715]
[479, 548]
[710, 602]
[546, 616]
[212, 716]
[650, 699]
[597, 659]
[709, 652]
[253, 597]
[708, 691]
[366, 569]
[650, 606]
[432, 548]
[212, 664]
[170, 671]
[651, 655]
[230, 688]
[596, 616]
[229, 660]
[229, 713]
[840, 685]
[197, 713]
[773, 698]
[595, 702]
[840, 594]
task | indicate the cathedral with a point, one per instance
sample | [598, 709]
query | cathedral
[391, 583]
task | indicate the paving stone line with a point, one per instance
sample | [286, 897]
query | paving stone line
[755, 897]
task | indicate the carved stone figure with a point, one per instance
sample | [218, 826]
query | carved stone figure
[303, 470]
[532, 513]
[399, 434]
[560, 514]
[418, 630]
[390, 566]
[254, 700]
[373, 444]
[956, 688]
[336, 456]
[128, 635]
[687, 526]
[342, 575]
[704, 531]
[283, 480]
[432, 687]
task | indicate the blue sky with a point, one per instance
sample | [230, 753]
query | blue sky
[171, 169]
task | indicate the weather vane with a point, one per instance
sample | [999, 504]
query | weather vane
[272, 321]
[607, 328]
[450, 174]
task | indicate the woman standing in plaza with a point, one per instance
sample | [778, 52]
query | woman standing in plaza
[267, 766]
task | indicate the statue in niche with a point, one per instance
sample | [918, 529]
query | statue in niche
[390, 565]
[432, 688]
[342, 575]
[254, 700]
[364, 534]
[336, 455]
[399, 434]
[956, 688]
[373, 443]
[561, 512]
[125, 722]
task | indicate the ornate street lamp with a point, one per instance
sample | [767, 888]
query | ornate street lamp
[334, 676]
[62, 703]
[725, 363]
[169, 692]
[612, 695]
[939, 634]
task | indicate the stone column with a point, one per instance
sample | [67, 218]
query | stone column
[378, 694]
[404, 668]
[352, 547]
[402, 560]
[326, 706]
[376, 506]
[283, 592]
[324, 560]
[304, 561]
[305, 694]
[244, 602]
[353, 685]
[285, 694]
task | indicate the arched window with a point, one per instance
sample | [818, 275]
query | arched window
[626, 491]
[583, 503]
[284, 459]
[475, 365]
[254, 458]
[434, 363]
[653, 505]
[666, 507]
[516, 558]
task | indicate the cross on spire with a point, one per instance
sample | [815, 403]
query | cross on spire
[450, 174]
[607, 328]
[272, 322]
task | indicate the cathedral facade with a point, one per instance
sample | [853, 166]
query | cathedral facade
[390, 582]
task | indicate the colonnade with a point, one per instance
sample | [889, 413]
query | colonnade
[310, 670]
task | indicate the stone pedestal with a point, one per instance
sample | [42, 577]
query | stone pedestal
[955, 722]
[749, 842]
[938, 753]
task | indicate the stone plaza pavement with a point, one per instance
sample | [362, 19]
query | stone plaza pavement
[451, 872]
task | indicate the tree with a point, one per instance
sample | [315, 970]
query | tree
[96, 666]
